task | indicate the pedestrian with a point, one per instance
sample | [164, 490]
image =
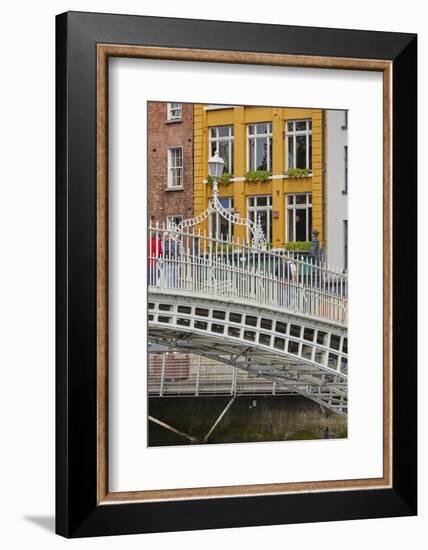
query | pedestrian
[155, 252]
[171, 258]
[286, 276]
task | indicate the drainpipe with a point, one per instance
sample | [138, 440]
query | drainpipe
[323, 180]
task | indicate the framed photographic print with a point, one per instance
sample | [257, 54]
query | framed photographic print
[236, 274]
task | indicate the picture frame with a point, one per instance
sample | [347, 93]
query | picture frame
[84, 44]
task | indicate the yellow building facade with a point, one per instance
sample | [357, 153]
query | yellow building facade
[282, 146]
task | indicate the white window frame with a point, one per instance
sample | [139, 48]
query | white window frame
[229, 138]
[292, 210]
[172, 218]
[292, 135]
[256, 209]
[170, 180]
[218, 217]
[174, 111]
[268, 135]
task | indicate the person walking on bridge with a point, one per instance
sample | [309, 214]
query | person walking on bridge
[286, 276]
[155, 252]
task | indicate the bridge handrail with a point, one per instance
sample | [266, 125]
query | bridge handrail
[193, 261]
[207, 244]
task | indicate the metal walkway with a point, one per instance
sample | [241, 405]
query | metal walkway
[173, 374]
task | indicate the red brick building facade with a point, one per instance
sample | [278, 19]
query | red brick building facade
[170, 161]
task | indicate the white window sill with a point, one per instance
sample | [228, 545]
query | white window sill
[173, 120]
[174, 188]
[274, 177]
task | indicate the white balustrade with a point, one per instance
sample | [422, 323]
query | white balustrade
[187, 260]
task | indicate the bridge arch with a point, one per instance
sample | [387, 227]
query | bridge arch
[281, 346]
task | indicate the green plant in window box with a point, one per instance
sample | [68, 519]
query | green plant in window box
[224, 179]
[253, 176]
[298, 172]
[220, 247]
[300, 246]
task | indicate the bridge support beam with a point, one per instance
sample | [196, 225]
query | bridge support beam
[216, 423]
[191, 438]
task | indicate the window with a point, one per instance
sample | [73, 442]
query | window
[260, 208]
[299, 144]
[173, 221]
[220, 227]
[174, 111]
[345, 121]
[299, 217]
[345, 244]
[221, 140]
[175, 167]
[259, 146]
[345, 159]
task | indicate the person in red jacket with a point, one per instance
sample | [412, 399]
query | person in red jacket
[155, 252]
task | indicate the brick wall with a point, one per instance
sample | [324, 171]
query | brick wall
[161, 135]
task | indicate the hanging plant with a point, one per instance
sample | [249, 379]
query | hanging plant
[253, 176]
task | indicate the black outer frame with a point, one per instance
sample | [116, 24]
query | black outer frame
[77, 513]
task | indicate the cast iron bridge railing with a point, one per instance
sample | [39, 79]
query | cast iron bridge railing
[278, 318]
[195, 262]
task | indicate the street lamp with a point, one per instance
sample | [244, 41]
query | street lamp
[215, 168]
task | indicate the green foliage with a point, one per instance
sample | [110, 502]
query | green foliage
[298, 245]
[220, 247]
[298, 172]
[257, 175]
[224, 179]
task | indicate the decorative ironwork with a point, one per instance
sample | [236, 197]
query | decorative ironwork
[214, 205]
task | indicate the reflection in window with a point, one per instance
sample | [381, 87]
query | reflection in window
[221, 141]
[260, 146]
[175, 167]
[174, 111]
[299, 144]
[260, 209]
[299, 217]
[221, 228]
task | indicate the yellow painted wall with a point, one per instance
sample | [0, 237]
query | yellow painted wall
[240, 117]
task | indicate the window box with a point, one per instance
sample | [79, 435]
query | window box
[254, 176]
[298, 173]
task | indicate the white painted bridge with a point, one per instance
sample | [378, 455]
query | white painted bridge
[278, 318]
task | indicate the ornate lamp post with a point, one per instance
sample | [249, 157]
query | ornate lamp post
[215, 168]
